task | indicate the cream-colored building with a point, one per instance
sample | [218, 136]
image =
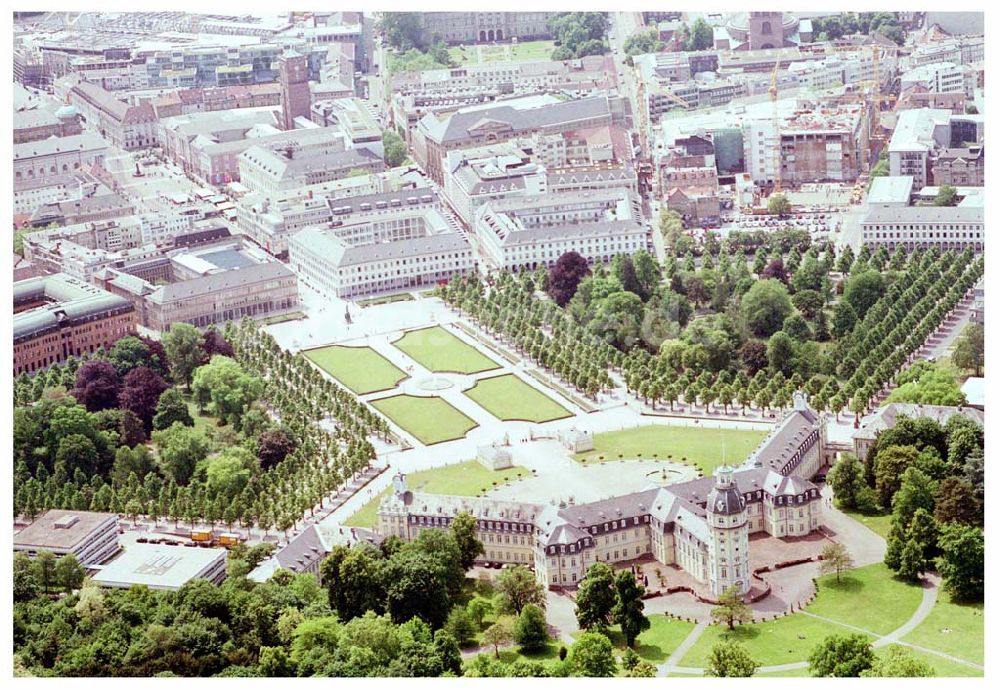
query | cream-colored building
[702, 526]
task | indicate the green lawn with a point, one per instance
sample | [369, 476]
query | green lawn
[879, 524]
[438, 350]
[781, 641]
[467, 478]
[663, 637]
[794, 673]
[868, 598]
[944, 668]
[509, 398]
[386, 299]
[361, 369]
[702, 447]
[202, 422]
[431, 420]
[522, 52]
[964, 625]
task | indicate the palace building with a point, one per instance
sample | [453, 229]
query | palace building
[701, 526]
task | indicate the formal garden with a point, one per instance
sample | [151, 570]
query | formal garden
[429, 419]
[360, 369]
[438, 350]
[508, 398]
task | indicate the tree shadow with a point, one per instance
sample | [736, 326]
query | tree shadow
[847, 583]
[742, 633]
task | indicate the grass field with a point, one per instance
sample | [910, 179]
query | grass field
[879, 524]
[467, 478]
[430, 420]
[361, 369]
[944, 668]
[386, 299]
[522, 52]
[868, 598]
[954, 629]
[701, 447]
[282, 318]
[202, 422]
[509, 398]
[438, 350]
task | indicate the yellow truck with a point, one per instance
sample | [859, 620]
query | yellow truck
[229, 539]
[202, 536]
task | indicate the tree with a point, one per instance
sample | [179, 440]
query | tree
[962, 561]
[946, 196]
[956, 501]
[644, 42]
[463, 527]
[898, 663]
[130, 352]
[595, 599]
[627, 611]
[841, 656]
[863, 290]
[500, 633]
[779, 205]
[171, 408]
[516, 588]
[45, 570]
[183, 345]
[565, 276]
[402, 30]
[731, 609]
[836, 559]
[394, 148]
[593, 656]
[213, 343]
[97, 385]
[911, 561]
[461, 626]
[531, 631]
[69, 574]
[844, 319]
[730, 659]
[889, 465]
[228, 473]
[846, 478]
[766, 306]
[26, 586]
[273, 446]
[781, 353]
[181, 449]
[969, 350]
[140, 394]
[797, 328]
[231, 389]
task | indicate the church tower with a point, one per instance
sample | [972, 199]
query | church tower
[729, 550]
[293, 82]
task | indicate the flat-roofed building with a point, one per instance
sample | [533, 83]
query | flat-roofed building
[528, 232]
[891, 191]
[58, 316]
[913, 140]
[163, 567]
[91, 537]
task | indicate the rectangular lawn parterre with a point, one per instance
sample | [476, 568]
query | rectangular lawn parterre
[438, 350]
[509, 398]
[429, 419]
[361, 369]
[697, 445]
[467, 478]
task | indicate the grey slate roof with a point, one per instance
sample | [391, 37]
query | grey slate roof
[456, 128]
[225, 280]
[72, 301]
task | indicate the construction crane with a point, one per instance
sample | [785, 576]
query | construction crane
[774, 122]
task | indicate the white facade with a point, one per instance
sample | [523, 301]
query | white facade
[530, 232]
[759, 143]
[915, 227]
[916, 134]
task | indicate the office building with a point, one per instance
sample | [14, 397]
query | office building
[92, 538]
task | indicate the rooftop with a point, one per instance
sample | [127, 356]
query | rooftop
[61, 529]
[158, 566]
